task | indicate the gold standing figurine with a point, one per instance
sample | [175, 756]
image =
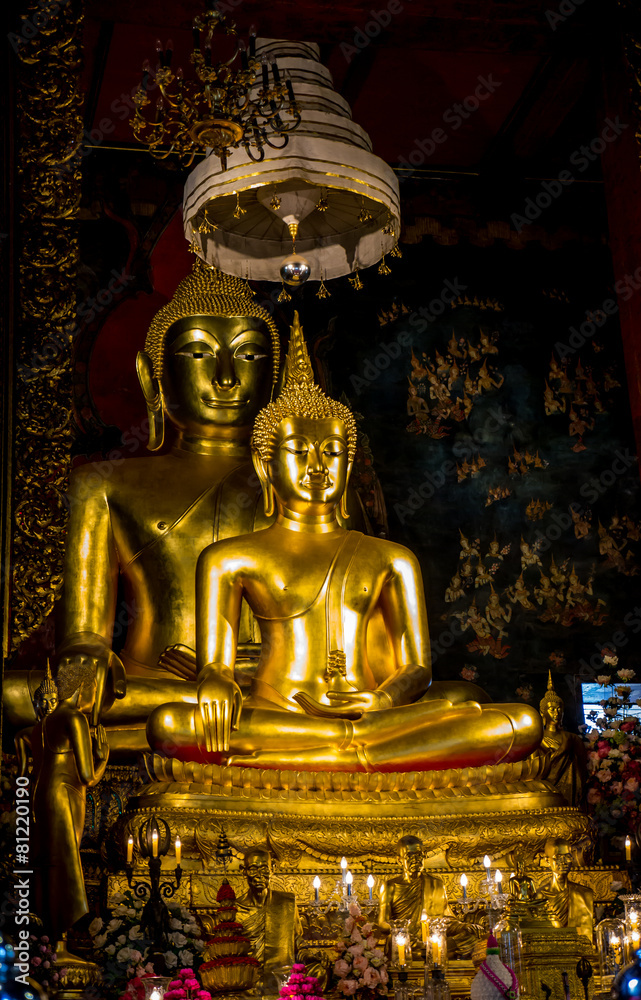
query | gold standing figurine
[67, 759]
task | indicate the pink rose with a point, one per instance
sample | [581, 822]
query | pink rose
[348, 986]
[360, 963]
[350, 923]
[366, 930]
[356, 949]
[341, 968]
[371, 941]
[36, 961]
[594, 796]
[384, 977]
[356, 936]
[372, 977]
[355, 910]
[617, 787]
[593, 757]
[631, 785]
[191, 984]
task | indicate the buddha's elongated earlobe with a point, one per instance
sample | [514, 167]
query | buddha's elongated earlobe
[265, 484]
[343, 504]
[152, 392]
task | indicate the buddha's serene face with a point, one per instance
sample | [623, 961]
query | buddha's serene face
[310, 464]
[555, 714]
[412, 860]
[217, 372]
[257, 871]
[46, 704]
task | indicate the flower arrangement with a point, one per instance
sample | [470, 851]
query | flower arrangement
[186, 987]
[122, 949]
[300, 986]
[614, 753]
[360, 968]
[135, 988]
[43, 964]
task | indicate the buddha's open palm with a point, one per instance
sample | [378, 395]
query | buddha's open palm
[220, 702]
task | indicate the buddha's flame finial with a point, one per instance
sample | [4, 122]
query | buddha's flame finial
[47, 685]
[298, 366]
[550, 682]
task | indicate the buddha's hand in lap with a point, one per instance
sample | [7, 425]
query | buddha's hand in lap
[345, 704]
[179, 660]
[220, 702]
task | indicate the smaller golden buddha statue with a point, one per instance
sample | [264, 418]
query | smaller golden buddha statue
[67, 759]
[565, 752]
[269, 917]
[568, 904]
[520, 886]
[45, 700]
[331, 691]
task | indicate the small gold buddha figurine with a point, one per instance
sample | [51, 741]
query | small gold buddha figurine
[315, 589]
[67, 759]
[520, 886]
[565, 752]
[269, 917]
[568, 903]
[45, 700]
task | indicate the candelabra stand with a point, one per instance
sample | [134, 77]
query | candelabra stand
[154, 839]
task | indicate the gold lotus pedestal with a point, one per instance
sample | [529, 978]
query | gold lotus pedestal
[312, 817]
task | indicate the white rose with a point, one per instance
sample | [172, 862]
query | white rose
[134, 933]
[170, 959]
[121, 940]
[198, 944]
[175, 924]
[121, 910]
[113, 926]
[100, 940]
[95, 926]
[110, 949]
[138, 904]
[117, 897]
[178, 939]
[124, 955]
[185, 957]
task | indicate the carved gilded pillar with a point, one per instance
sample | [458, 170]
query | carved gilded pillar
[48, 137]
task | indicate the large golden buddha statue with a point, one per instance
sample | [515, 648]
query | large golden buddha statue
[345, 653]
[210, 363]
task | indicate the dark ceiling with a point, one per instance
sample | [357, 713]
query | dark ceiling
[544, 69]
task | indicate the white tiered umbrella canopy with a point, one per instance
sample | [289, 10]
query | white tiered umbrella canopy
[328, 160]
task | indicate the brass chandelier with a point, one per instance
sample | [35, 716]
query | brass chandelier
[222, 109]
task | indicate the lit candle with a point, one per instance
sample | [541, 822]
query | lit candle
[155, 994]
[343, 868]
[401, 941]
[130, 850]
[435, 949]
[634, 918]
[179, 850]
[317, 885]
[487, 863]
[464, 886]
[370, 885]
[636, 938]
[349, 878]
[423, 926]
[154, 843]
[498, 878]
[628, 849]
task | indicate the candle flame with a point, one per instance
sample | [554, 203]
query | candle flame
[498, 878]
[317, 882]
[486, 861]
[343, 862]
[370, 881]
[463, 879]
[349, 878]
